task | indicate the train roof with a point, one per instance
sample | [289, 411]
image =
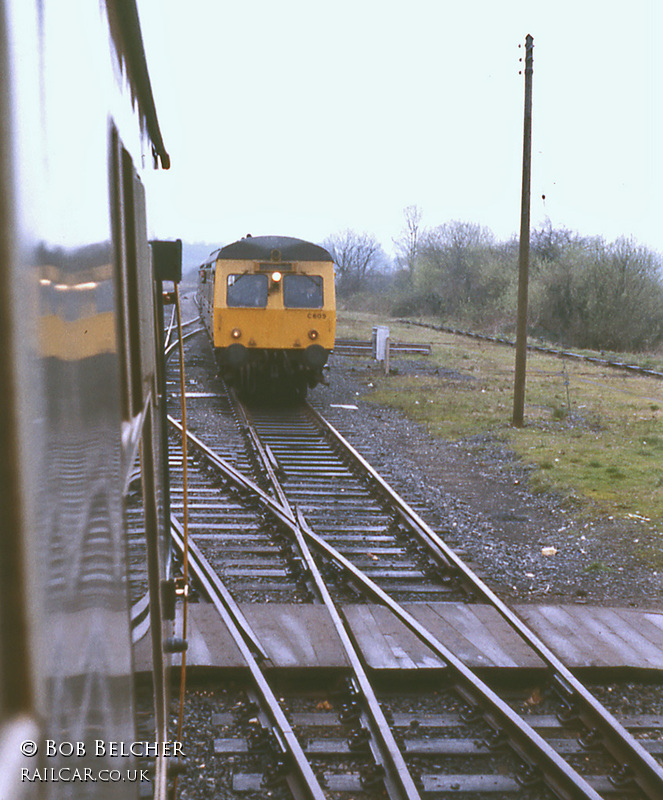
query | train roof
[261, 248]
[128, 40]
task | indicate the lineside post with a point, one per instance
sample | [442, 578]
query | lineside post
[381, 346]
[523, 255]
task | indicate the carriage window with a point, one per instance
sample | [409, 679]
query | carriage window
[247, 291]
[302, 291]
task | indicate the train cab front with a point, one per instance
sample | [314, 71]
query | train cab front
[274, 320]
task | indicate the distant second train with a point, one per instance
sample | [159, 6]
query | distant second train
[268, 304]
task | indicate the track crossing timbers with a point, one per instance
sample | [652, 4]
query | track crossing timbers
[433, 770]
[279, 512]
[625, 749]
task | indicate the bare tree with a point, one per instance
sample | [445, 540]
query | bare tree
[407, 243]
[452, 257]
[549, 243]
[356, 255]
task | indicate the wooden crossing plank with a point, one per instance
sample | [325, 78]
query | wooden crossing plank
[210, 643]
[623, 636]
[645, 627]
[556, 629]
[296, 635]
[584, 636]
[476, 633]
[304, 636]
[385, 642]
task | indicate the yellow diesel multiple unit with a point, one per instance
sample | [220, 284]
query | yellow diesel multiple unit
[268, 304]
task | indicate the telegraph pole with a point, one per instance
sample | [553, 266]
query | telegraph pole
[523, 254]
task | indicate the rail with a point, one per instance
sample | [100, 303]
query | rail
[540, 348]
[302, 780]
[388, 757]
[617, 740]
[525, 741]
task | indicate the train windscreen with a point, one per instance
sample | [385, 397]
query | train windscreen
[302, 291]
[247, 291]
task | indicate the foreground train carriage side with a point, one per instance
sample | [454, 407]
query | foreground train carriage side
[81, 397]
[269, 307]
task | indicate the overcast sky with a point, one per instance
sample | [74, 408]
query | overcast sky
[303, 118]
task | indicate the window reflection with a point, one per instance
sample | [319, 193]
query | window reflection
[247, 291]
[302, 291]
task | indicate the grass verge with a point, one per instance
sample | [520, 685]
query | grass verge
[592, 434]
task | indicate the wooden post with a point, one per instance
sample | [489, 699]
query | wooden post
[523, 255]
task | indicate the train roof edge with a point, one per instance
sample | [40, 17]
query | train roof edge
[262, 248]
[128, 40]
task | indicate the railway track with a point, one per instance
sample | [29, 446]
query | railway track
[541, 348]
[283, 511]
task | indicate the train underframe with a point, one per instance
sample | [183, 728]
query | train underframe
[272, 373]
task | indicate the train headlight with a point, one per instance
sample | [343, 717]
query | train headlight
[236, 333]
[276, 276]
[313, 335]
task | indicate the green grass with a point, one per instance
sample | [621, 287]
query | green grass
[604, 454]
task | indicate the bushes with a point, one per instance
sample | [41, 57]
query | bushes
[583, 292]
[600, 296]
[463, 274]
